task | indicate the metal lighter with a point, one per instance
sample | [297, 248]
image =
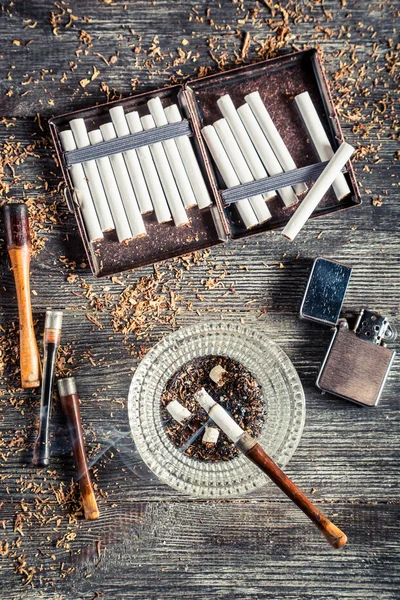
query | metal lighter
[357, 362]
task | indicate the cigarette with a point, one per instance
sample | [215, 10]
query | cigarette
[78, 128]
[218, 375]
[219, 415]
[229, 111]
[112, 192]
[124, 185]
[132, 162]
[316, 193]
[82, 192]
[228, 174]
[157, 195]
[178, 412]
[265, 151]
[241, 168]
[319, 139]
[273, 136]
[174, 158]
[210, 436]
[167, 179]
[189, 160]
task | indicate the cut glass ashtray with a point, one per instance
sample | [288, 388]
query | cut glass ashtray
[283, 408]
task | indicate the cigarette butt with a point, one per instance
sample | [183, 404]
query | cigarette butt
[218, 375]
[79, 131]
[273, 136]
[319, 139]
[228, 174]
[230, 113]
[316, 193]
[211, 435]
[189, 160]
[82, 191]
[132, 162]
[178, 412]
[174, 158]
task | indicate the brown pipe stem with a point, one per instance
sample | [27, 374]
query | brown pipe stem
[19, 249]
[258, 456]
[70, 404]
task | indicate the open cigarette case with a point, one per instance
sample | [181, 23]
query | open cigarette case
[277, 80]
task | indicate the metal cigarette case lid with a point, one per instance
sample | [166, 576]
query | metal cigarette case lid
[325, 292]
[358, 362]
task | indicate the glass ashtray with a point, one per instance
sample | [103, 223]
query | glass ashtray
[283, 408]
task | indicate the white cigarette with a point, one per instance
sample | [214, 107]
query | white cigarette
[178, 412]
[229, 111]
[219, 415]
[240, 165]
[211, 435]
[265, 151]
[320, 140]
[157, 195]
[124, 185]
[166, 176]
[228, 174]
[81, 189]
[273, 136]
[132, 162]
[189, 160]
[174, 158]
[320, 187]
[78, 128]
[112, 192]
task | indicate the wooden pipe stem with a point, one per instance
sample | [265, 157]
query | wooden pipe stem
[19, 249]
[51, 342]
[258, 456]
[70, 403]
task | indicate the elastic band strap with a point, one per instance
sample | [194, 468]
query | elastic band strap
[128, 142]
[275, 182]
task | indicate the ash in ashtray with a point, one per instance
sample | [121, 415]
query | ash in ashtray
[230, 384]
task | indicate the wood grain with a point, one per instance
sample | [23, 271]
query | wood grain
[155, 543]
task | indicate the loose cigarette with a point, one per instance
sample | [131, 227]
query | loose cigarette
[78, 128]
[265, 151]
[219, 415]
[320, 140]
[189, 160]
[174, 158]
[157, 195]
[210, 436]
[229, 111]
[241, 168]
[124, 185]
[273, 136]
[320, 187]
[178, 412]
[111, 188]
[167, 179]
[132, 162]
[218, 375]
[82, 192]
[228, 174]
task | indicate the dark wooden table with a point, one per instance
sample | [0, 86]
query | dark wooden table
[150, 541]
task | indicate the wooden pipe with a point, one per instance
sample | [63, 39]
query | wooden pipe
[70, 403]
[16, 224]
[250, 448]
[259, 457]
[51, 341]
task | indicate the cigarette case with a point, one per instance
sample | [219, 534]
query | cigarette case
[278, 80]
[357, 361]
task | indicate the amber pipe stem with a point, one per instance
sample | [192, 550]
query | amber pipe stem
[16, 224]
[70, 403]
[258, 456]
